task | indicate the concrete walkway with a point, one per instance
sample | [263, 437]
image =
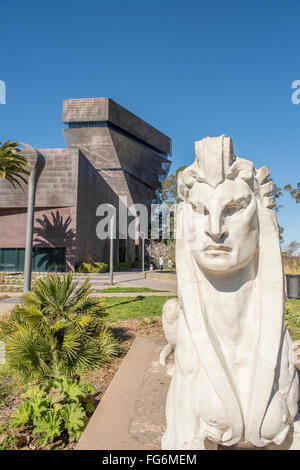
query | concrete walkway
[127, 279]
[101, 280]
[131, 414]
[8, 304]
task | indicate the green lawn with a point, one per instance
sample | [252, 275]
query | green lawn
[130, 308]
[292, 318]
[129, 289]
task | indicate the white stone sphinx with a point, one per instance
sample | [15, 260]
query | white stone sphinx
[234, 380]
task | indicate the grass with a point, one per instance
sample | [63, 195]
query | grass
[292, 318]
[131, 308]
[139, 307]
[129, 289]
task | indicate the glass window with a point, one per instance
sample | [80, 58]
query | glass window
[43, 259]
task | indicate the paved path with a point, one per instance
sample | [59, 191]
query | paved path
[131, 414]
[8, 304]
[101, 280]
[127, 279]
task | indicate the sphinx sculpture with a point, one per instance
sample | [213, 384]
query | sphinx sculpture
[234, 380]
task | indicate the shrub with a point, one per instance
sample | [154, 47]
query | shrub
[292, 320]
[122, 266]
[102, 267]
[99, 267]
[96, 267]
[58, 330]
[60, 406]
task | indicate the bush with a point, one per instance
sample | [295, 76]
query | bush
[96, 267]
[60, 407]
[99, 267]
[58, 330]
[122, 266]
[292, 319]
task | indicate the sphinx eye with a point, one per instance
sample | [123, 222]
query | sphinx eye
[199, 208]
[235, 207]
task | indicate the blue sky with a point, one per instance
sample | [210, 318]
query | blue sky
[191, 69]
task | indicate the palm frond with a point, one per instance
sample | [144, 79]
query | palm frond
[57, 330]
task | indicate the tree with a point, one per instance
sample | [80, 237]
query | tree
[294, 192]
[156, 249]
[290, 259]
[169, 193]
[276, 194]
[12, 163]
[292, 248]
[166, 197]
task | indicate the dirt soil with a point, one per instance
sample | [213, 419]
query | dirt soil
[126, 331]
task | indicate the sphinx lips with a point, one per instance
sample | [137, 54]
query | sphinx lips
[218, 248]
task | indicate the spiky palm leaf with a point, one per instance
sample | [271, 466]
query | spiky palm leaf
[13, 163]
[58, 329]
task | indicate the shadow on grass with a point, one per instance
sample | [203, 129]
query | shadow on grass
[134, 299]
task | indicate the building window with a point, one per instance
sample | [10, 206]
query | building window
[43, 259]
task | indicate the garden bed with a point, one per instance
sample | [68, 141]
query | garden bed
[11, 390]
[127, 317]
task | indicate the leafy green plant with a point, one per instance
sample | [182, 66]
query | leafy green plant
[58, 330]
[99, 267]
[49, 425]
[96, 267]
[292, 319]
[60, 407]
[7, 442]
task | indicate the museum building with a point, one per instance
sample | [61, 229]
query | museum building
[111, 154]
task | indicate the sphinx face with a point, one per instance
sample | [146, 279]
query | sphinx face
[225, 227]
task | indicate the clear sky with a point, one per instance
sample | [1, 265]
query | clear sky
[192, 68]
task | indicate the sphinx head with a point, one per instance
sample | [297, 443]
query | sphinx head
[222, 193]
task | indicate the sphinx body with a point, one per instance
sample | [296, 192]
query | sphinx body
[234, 379]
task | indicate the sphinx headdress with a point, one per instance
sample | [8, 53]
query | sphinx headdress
[226, 166]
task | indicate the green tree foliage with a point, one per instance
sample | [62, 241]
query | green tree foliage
[58, 330]
[12, 163]
[276, 194]
[166, 197]
[169, 192]
[294, 192]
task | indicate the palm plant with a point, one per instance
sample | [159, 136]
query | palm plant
[58, 330]
[12, 163]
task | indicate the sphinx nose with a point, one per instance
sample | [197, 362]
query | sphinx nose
[216, 230]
